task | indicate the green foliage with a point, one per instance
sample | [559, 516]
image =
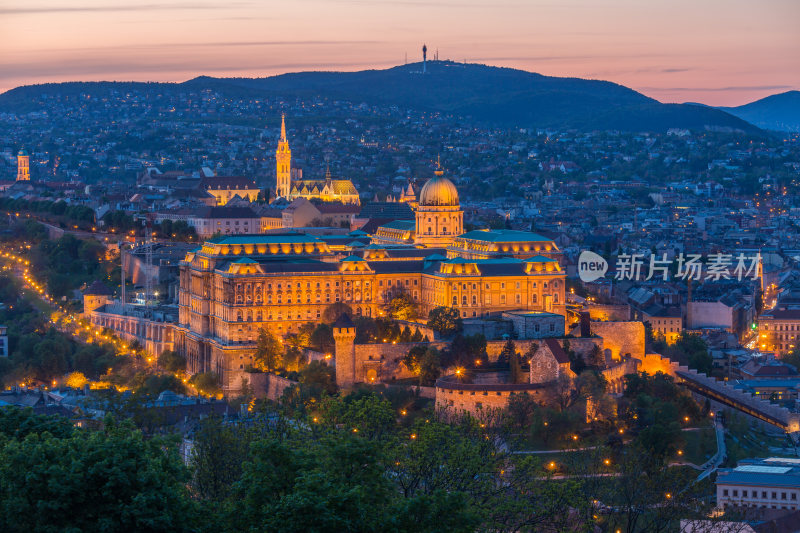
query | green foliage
[520, 410]
[269, 351]
[365, 413]
[691, 350]
[445, 320]
[218, 453]
[19, 423]
[206, 383]
[402, 307]
[322, 338]
[469, 352]
[332, 313]
[793, 357]
[172, 361]
[110, 480]
[319, 378]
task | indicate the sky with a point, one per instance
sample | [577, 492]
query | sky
[717, 52]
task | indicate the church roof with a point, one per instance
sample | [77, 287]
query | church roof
[227, 182]
[338, 187]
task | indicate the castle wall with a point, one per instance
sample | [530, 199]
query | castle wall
[621, 338]
[609, 312]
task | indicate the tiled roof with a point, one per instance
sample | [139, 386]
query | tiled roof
[226, 212]
[98, 288]
[227, 182]
[388, 210]
[401, 225]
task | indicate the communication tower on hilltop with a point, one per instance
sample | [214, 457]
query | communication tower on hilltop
[424, 57]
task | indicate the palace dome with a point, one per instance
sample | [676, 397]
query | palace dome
[438, 191]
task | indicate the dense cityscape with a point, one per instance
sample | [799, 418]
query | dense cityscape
[231, 308]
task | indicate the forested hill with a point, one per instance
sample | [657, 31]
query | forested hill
[491, 96]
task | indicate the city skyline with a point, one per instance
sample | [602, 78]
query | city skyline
[720, 53]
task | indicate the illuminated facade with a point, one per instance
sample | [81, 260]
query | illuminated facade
[779, 330]
[326, 190]
[283, 161]
[439, 218]
[226, 188]
[234, 285]
[23, 166]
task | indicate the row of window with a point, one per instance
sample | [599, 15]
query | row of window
[783, 327]
[754, 494]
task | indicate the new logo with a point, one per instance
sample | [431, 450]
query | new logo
[591, 266]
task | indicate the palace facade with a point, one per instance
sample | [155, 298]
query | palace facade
[234, 285]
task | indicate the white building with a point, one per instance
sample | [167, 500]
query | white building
[772, 483]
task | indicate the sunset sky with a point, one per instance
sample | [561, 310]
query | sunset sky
[719, 52]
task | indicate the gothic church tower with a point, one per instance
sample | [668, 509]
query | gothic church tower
[283, 160]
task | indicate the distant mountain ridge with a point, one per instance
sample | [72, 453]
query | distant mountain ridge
[492, 96]
[779, 112]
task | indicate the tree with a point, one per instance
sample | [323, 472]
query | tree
[322, 338]
[206, 383]
[430, 367]
[269, 351]
[172, 361]
[563, 392]
[520, 409]
[597, 358]
[402, 306]
[19, 423]
[445, 320]
[507, 353]
[319, 377]
[336, 310]
[793, 357]
[412, 359]
[365, 413]
[218, 452]
[111, 480]
[691, 350]
[76, 380]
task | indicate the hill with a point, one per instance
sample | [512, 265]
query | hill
[779, 112]
[490, 96]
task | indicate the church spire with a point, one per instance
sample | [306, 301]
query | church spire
[283, 160]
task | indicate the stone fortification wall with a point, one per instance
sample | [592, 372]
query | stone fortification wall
[621, 338]
[269, 386]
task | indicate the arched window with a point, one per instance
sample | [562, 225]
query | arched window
[239, 316]
[455, 301]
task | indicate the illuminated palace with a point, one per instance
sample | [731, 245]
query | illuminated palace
[327, 190]
[234, 285]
